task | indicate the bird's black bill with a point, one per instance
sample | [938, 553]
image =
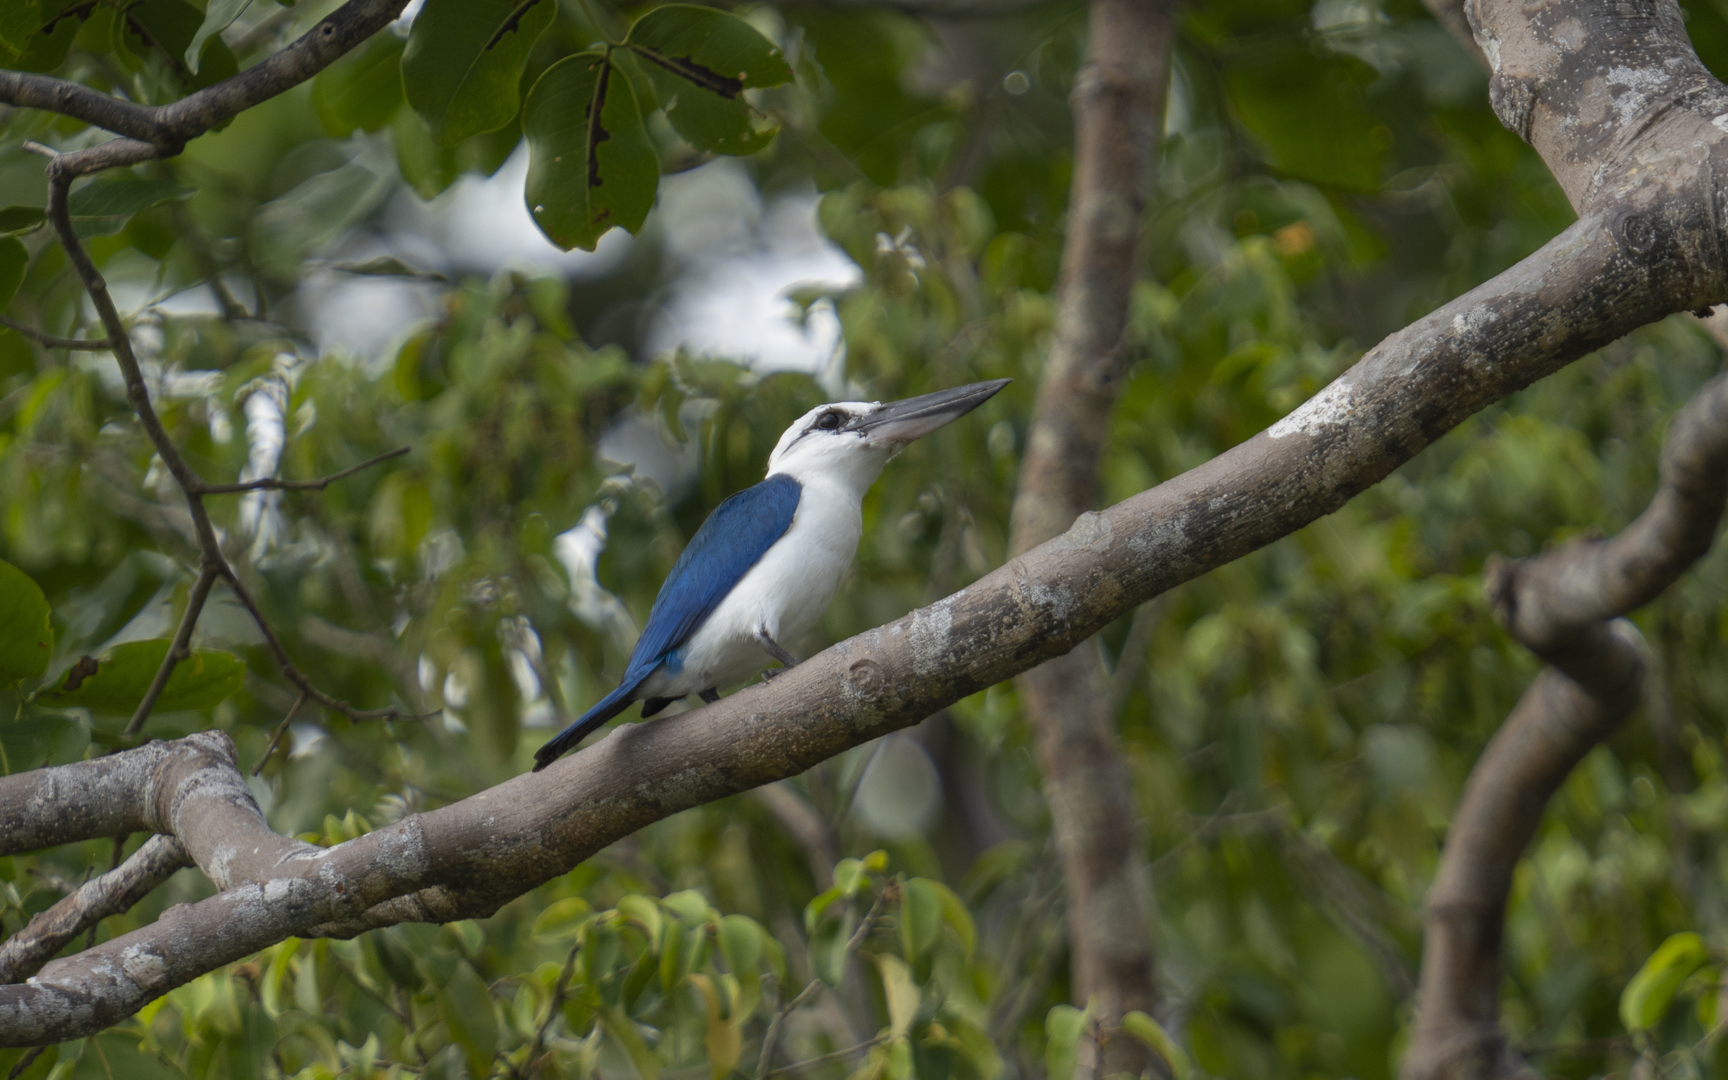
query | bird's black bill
[903, 421]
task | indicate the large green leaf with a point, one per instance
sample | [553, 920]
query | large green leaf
[463, 64]
[102, 206]
[21, 219]
[590, 164]
[26, 640]
[13, 259]
[701, 61]
[363, 90]
[120, 679]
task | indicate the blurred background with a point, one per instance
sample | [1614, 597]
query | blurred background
[330, 284]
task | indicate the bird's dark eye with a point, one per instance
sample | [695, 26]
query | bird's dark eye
[828, 421]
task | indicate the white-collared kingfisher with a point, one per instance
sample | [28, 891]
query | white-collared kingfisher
[765, 564]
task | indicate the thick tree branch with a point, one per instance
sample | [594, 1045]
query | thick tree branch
[24, 953]
[1118, 103]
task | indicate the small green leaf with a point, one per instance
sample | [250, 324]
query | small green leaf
[740, 944]
[21, 219]
[121, 678]
[645, 913]
[563, 918]
[701, 61]
[1063, 1027]
[101, 207]
[26, 639]
[724, 1040]
[41, 34]
[464, 62]
[1651, 991]
[1152, 1033]
[819, 904]
[920, 916]
[590, 163]
[425, 166]
[165, 29]
[218, 15]
[900, 991]
[363, 90]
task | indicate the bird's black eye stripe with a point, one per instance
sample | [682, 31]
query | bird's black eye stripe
[828, 421]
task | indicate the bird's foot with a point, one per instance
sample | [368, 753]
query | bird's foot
[773, 673]
[775, 649]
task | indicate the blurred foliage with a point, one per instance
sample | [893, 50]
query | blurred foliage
[1299, 724]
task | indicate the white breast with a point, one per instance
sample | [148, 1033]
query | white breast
[784, 594]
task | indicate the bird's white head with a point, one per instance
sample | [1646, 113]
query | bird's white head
[849, 441]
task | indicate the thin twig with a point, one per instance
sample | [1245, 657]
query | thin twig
[772, 1035]
[25, 1062]
[178, 651]
[92, 344]
[271, 483]
[294, 675]
[836, 1055]
[276, 737]
[558, 990]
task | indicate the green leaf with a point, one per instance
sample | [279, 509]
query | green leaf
[701, 61]
[740, 944]
[464, 62]
[218, 15]
[1063, 1026]
[622, 1031]
[466, 1006]
[363, 90]
[121, 678]
[1309, 113]
[26, 639]
[920, 916]
[41, 740]
[21, 219]
[645, 913]
[40, 34]
[828, 948]
[101, 207]
[165, 28]
[1651, 991]
[563, 918]
[900, 991]
[724, 1039]
[1152, 1033]
[590, 163]
[425, 166]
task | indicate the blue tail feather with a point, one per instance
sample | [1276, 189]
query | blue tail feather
[605, 709]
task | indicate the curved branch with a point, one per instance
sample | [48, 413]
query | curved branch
[1559, 605]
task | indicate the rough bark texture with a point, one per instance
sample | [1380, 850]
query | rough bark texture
[1118, 103]
[1562, 606]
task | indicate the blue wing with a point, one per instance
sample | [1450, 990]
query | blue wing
[733, 539]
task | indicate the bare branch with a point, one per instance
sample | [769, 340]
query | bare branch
[276, 736]
[1594, 682]
[52, 342]
[23, 954]
[179, 650]
[271, 483]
